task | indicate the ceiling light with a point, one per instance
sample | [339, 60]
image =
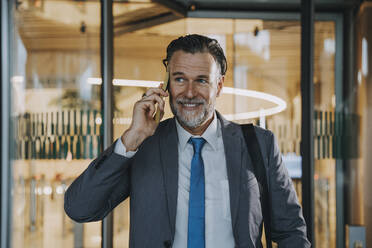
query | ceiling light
[364, 57]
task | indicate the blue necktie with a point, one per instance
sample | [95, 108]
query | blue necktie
[196, 224]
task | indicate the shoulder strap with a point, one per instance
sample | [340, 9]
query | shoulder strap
[260, 173]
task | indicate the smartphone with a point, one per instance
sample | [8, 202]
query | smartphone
[165, 88]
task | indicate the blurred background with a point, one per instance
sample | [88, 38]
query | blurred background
[55, 101]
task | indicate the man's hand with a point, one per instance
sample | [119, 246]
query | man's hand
[143, 124]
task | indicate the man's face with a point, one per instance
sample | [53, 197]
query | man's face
[195, 82]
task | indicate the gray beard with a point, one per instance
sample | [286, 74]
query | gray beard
[189, 119]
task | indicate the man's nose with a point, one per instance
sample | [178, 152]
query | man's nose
[190, 90]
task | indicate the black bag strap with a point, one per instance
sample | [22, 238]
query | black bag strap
[260, 173]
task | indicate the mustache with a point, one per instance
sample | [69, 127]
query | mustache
[183, 100]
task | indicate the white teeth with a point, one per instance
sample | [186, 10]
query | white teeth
[189, 105]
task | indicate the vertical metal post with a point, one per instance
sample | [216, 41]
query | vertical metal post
[307, 88]
[107, 99]
[339, 62]
[5, 116]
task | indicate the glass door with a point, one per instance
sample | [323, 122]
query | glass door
[262, 86]
[326, 135]
[56, 117]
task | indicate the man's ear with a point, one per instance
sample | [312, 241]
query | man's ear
[220, 84]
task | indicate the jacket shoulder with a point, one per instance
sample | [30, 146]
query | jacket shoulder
[263, 133]
[265, 138]
[163, 128]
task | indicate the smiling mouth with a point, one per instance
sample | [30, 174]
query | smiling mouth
[190, 105]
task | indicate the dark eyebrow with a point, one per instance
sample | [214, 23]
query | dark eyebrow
[177, 73]
[203, 76]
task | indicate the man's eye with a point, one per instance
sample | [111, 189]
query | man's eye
[203, 81]
[179, 79]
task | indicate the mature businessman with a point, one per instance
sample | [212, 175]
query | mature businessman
[190, 178]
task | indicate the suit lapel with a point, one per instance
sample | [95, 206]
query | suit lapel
[233, 153]
[169, 160]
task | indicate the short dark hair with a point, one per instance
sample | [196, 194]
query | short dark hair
[195, 43]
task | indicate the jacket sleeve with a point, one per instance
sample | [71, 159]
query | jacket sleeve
[100, 188]
[288, 226]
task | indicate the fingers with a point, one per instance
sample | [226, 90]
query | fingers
[147, 107]
[158, 91]
[161, 115]
[152, 109]
[154, 98]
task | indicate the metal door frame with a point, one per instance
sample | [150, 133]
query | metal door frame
[5, 201]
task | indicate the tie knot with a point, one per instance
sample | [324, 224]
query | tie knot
[197, 143]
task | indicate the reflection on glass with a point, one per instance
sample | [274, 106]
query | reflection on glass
[263, 58]
[56, 118]
[326, 135]
[137, 57]
[267, 59]
[357, 101]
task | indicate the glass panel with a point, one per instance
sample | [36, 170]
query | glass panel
[357, 160]
[56, 117]
[267, 60]
[137, 57]
[263, 61]
[324, 131]
[263, 57]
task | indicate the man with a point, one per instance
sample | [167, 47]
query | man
[190, 179]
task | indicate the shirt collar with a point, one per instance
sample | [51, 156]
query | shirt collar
[211, 134]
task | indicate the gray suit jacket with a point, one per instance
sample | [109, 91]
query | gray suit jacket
[150, 178]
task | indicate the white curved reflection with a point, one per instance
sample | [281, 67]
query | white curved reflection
[281, 105]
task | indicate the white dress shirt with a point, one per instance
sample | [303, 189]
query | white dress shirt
[218, 226]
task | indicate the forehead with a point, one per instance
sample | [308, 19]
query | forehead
[193, 62]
